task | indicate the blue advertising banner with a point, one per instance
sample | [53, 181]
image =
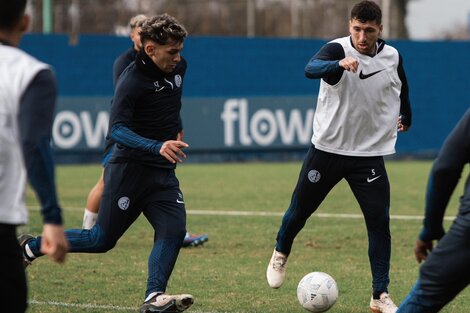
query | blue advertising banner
[210, 124]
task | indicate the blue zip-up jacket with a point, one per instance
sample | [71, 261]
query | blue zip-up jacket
[146, 112]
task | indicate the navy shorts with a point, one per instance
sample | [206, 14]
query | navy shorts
[131, 189]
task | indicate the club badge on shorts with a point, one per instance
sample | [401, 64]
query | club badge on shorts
[314, 176]
[123, 203]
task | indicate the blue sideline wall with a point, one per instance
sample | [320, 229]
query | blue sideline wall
[245, 98]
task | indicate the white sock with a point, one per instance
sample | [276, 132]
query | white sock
[89, 219]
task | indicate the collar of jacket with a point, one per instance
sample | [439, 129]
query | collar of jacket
[147, 66]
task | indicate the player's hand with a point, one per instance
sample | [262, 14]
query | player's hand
[400, 126]
[422, 249]
[349, 64]
[171, 150]
[54, 243]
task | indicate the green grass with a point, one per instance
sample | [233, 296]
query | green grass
[228, 273]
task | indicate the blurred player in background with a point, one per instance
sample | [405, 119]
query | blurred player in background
[445, 272]
[94, 196]
[140, 174]
[128, 56]
[362, 103]
[27, 102]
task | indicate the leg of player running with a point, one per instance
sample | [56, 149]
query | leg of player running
[93, 203]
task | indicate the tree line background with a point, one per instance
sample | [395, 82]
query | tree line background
[323, 19]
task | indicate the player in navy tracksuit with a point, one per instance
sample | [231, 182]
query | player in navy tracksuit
[94, 196]
[140, 177]
[445, 272]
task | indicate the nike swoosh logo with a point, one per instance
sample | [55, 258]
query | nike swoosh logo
[364, 76]
[369, 180]
[179, 201]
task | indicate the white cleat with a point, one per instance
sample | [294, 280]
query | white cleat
[383, 305]
[276, 272]
[163, 303]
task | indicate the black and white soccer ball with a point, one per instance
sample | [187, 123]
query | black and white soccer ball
[317, 292]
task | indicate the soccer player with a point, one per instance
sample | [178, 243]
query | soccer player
[362, 103]
[94, 196]
[140, 174]
[27, 101]
[445, 272]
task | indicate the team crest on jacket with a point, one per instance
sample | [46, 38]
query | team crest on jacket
[178, 80]
[314, 176]
[123, 203]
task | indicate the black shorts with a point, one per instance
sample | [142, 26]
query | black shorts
[12, 275]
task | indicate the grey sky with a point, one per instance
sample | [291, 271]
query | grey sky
[427, 17]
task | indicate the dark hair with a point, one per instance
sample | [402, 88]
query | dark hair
[162, 29]
[365, 11]
[11, 12]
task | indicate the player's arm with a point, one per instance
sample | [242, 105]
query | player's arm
[444, 176]
[35, 124]
[326, 63]
[35, 120]
[405, 107]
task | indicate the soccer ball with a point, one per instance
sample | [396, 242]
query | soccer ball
[317, 292]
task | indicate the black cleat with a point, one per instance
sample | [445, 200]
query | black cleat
[194, 240]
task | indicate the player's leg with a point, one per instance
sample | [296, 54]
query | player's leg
[369, 182]
[118, 210]
[94, 196]
[13, 293]
[444, 273]
[93, 203]
[320, 172]
[165, 210]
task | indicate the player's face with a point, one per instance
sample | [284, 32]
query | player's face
[364, 35]
[135, 37]
[167, 56]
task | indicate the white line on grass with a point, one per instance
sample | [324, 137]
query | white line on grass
[320, 215]
[83, 305]
[261, 213]
[96, 306]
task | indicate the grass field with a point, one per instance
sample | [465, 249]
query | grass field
[240, 206]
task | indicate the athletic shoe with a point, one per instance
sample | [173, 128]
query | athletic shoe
[276, 272]
[23, 240]
[192, 240]
[167, 304]
[383, 305]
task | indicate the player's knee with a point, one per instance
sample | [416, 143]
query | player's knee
[102, 241]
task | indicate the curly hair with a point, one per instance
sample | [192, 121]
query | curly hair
[162, 29]
[365, 11]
